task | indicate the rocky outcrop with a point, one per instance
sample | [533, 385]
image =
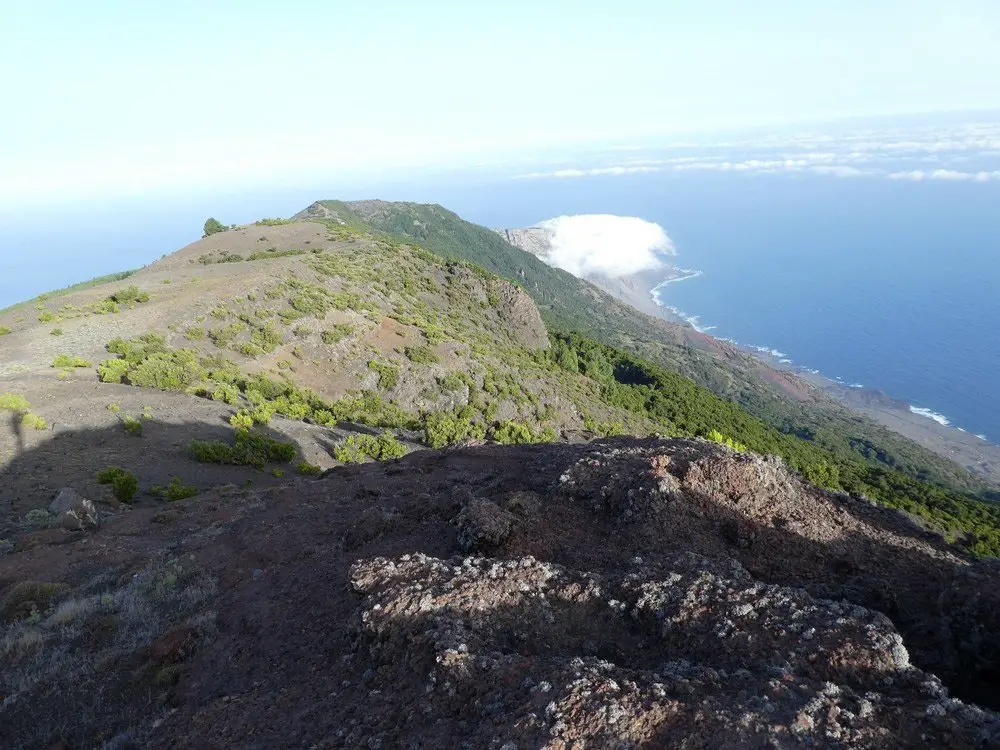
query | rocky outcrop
[73, 511]
[518, 312]
[697, 655]
[535, 240]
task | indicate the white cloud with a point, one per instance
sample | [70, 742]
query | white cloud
[952, 152]
[839, 171]
[614, 171]
[918, 175]
[606, 244]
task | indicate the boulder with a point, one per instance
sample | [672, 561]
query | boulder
[74, 511]
[483, 525]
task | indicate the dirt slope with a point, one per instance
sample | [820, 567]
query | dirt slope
[624, 594]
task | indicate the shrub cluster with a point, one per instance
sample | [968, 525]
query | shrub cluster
[358, 448]
[248, 448]
[175, 490]
[68, 362]
[124, 484]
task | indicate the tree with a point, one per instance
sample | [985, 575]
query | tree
[213, 226]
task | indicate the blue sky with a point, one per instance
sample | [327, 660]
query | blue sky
[114, 97]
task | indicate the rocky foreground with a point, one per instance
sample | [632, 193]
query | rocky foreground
[625, 593]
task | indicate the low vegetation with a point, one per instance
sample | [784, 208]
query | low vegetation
[130, 295]
[358, 448]
[69, 362]
[336, 333]
[248, 448]
[388, 375]
[19, 405]
[174, 491]
[213, 226]
[307, 469]
[124, 484]
[422, 355]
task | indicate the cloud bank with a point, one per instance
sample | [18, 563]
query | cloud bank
[968, 152]
[606, 244]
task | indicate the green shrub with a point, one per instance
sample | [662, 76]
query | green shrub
[445, 428]
[388, 376]
[46, 317]
[268, 338]
[226, 392]
[262, 413]
[453, 381]
[124, 483]
[146, 361]
[133, 426]
[4, 330]
[422, 355]
[336, 333]
[213, 226]
[356, 448]
[175, 490]
[68, 362]
[174, 371]
[717, 437]
[114, 408]
[249, 349]
[129, 295]
[511, 432]
[33, 421]
[247, 449]
[302, 331]
[273, 222]
[194, 333]
[112, 370]
[13, 402]
[241, 420]
[56, 332]
[307, 469]
[105, 307]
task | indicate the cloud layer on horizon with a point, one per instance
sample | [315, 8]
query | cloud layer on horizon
[961, 153]
[606, 244]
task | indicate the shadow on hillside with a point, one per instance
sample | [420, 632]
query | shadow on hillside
[72, 458]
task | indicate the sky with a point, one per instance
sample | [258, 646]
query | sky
[115, 98]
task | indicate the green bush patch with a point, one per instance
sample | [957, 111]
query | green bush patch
[124, 484]
[247, 449]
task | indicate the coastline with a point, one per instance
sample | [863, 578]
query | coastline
[975, 453]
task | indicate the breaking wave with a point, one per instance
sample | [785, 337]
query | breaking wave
[941, 419]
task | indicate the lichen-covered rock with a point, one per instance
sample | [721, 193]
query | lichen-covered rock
[483, 526]
[542, 656]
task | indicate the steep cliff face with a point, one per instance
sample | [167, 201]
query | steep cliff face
[536, 240]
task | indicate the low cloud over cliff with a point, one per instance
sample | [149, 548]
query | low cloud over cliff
[606, 244]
